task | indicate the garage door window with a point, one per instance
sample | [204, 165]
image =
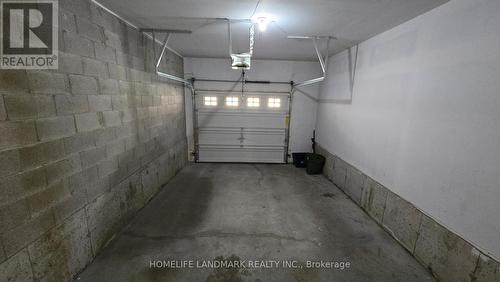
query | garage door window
[253, 102]
[232, 101]
[274, 102]
[210, 101]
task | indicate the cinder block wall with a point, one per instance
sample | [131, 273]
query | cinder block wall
[449, 257]
[83, 148]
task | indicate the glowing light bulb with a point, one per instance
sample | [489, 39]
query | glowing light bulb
[263, 20]
[262, 23]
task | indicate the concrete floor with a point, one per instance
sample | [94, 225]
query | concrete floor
[253, 212]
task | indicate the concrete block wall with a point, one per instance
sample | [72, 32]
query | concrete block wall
[84, 147]
[445, 254]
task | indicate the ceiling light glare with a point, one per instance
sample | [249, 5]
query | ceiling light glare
[262, 21]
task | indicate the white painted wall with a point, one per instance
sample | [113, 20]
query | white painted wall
[303, 117]
[425, 115]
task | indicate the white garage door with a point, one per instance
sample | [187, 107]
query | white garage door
[242, 126]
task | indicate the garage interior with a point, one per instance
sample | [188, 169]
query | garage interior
[168, 134]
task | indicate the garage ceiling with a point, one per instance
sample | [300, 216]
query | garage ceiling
[351, 21]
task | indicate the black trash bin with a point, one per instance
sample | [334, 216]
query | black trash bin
[315, 163]
[299, 159]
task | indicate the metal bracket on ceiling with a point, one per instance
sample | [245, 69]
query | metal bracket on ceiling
[158, 60]
[229, 33]
[323, 59]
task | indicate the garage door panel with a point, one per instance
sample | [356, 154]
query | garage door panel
[249, 154]
[238, 137]
[242, 105]
[245, 120]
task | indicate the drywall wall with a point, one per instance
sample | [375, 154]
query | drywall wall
[303, 117]
[84, 147]
[424, 119]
